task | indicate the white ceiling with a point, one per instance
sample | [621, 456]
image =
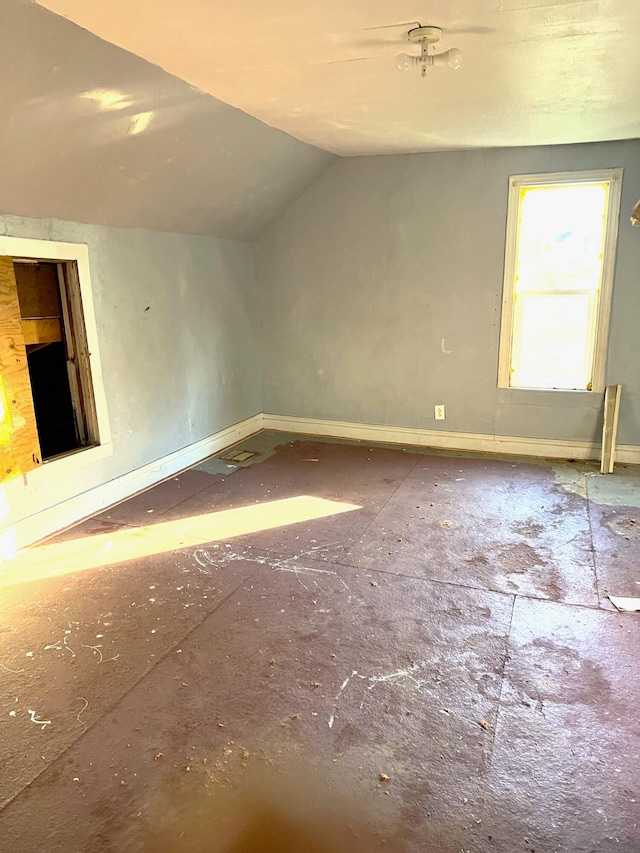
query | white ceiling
[534, 71]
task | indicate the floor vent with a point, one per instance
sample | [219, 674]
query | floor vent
[238, 455]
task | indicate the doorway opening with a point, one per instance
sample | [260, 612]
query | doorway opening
[53, 329]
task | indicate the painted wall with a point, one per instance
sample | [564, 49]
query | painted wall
[177, 327]
[380, 295]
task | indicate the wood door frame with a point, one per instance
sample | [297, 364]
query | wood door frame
[75, 257]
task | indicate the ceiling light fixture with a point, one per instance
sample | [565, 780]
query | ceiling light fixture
[425, 36]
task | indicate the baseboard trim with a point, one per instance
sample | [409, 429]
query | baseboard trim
[39, 526]
[475, 442]
[36, 527]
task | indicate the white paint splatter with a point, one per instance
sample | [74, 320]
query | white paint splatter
[296, 569]
[345, 682]
[399, 675]
[390, 678]
[86, 705]
[34, 719]
[97, 649]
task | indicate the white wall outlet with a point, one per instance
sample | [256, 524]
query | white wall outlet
[439, 412]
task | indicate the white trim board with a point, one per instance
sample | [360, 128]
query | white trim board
[475, 442]
[42, 524]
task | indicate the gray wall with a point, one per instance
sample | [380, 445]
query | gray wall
[179, 371]
[383, 258]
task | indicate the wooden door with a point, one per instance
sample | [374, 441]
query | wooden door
[19, 445]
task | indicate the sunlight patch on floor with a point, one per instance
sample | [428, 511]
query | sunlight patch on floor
[105, 549]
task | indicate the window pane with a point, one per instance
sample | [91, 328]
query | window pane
[561, 236]
[553, 341]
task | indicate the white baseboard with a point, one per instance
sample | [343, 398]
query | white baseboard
[33, 528]
[48, 521]
[477, 442]
[626, 454]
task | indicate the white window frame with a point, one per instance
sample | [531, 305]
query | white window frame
[516, 182]
[75, 460]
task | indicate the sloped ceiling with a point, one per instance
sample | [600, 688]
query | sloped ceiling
[94, 134]
[534, 72]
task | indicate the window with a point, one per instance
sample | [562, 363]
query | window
[560, 253]
[51, 398]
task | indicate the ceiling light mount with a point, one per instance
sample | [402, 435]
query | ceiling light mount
[420, 35]
[426, 36]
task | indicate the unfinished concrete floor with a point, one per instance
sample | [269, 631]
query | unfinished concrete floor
[264, 644]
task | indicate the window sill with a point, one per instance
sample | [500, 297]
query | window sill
[549, 397]
[70, 463]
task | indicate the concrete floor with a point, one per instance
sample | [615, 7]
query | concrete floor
[440, 620]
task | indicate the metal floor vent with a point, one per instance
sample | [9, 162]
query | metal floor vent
[238, 455]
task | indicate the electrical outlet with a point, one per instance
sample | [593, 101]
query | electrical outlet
[439, 412]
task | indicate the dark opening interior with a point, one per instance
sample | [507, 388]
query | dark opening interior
[43, 328]
[52, 399]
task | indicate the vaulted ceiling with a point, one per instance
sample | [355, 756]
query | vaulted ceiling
[534, 71]
[198, 117]
[94, 134]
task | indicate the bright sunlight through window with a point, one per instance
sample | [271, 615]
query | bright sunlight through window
[560, 251]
